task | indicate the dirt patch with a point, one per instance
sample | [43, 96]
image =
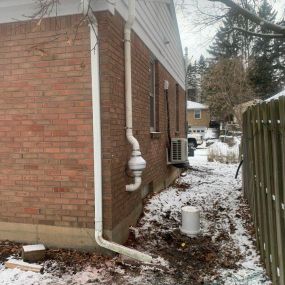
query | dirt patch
[56, 261]
[8, 249]
[60, 261]
[181, 185]
[192, 260]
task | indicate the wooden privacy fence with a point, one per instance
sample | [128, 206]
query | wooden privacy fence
[264, 181]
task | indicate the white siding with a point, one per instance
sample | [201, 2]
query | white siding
[155, 24]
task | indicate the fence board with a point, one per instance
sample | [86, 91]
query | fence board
[256, 189]
[282, 133]
[268, 190]
[250, 168]
[263, 181]
[262, 189]
[277, 175]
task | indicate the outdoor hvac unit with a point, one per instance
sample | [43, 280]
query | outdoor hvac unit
[179, 150]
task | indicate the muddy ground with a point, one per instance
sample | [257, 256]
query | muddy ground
[223, 253]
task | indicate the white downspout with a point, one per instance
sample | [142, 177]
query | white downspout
[136, 163]
[97, 145]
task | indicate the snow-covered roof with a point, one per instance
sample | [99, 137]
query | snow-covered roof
[275, 97]
[191, 105]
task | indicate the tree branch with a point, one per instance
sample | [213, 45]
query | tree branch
[254, 34]
[253, 17]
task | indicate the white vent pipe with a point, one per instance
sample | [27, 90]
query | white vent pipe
[136, 163]
[97, 144]
[190, 221]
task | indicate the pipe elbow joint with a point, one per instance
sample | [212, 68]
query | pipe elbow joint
[133, 141]
[136, 185]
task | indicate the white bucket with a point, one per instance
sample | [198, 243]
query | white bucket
[190, 221]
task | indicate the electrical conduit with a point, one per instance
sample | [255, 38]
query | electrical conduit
[97, 145]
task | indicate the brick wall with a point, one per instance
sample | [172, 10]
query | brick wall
[46, 168]
[45, 124]
[117, 151]
[203, 122]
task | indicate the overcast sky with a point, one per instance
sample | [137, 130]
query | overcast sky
[196, 37]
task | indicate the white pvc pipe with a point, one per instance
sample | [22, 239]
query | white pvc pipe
[95, 74]
[137, 183]
[190, 221]
[137, 164]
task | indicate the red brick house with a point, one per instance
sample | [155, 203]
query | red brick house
[48, 116]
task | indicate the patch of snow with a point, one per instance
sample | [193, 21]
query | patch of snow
[211, 133]
[275, 97]
[33, 247]
[19, 277]
[191, 105]
[222, 152]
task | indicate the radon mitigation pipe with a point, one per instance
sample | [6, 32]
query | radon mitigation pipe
[97, 145]
[136, 163]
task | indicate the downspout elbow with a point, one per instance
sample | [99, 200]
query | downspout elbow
[98, 193]
[132, 253]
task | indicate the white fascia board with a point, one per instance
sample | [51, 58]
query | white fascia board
[21, 10]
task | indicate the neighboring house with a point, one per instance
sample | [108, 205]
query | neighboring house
[198, 115]
[49, 91]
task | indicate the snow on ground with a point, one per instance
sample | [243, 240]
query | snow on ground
[222, 152]
[224, 252]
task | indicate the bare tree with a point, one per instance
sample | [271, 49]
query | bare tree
[217, 10]
[44, 8]
[225, 86]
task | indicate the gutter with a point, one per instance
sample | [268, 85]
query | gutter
[97, 150]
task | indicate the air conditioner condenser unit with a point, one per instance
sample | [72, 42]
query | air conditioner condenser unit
[179, 151]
